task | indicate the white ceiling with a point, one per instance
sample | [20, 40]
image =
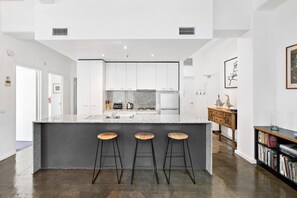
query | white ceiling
[163, 50]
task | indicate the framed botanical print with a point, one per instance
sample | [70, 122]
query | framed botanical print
[291, 67]
[231, 73]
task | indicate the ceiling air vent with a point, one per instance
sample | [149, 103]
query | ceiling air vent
[186, 31]
[60, 31]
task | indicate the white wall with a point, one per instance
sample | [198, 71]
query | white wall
[245, 117]
[36, 56]
[210, 60]
[286, 36]
[18, 16]
[26, 102]
[264, 73]
[129, 19]
[232, 15]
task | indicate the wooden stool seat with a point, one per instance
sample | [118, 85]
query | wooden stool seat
[178, 136]
[144, 136]
[107, 136]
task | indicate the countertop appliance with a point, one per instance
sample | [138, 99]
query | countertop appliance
[169, 103]
[117, 105]
[130, 105]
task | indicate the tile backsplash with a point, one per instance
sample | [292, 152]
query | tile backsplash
[143, 98]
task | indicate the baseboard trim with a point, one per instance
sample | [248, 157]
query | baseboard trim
[245, 157]
[7, 156]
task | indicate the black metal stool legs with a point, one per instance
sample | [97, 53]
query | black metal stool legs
[154, 160]
[119, 181]
[115, 160]
[192, 178]
[119, 177]
[133, 168]
[94, 178]
[184, 159]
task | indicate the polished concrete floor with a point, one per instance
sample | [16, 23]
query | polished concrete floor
[232, 177]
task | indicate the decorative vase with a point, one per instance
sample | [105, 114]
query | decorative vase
[274, 121]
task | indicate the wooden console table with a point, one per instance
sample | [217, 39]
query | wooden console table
[226, 118]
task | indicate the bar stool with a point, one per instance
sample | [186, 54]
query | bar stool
[144, 137]
[183, 138]
[102, 137]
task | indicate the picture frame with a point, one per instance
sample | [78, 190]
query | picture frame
[291, 67]
[231, 73]
[56, 88]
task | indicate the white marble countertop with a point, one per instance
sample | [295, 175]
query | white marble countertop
[135, 119]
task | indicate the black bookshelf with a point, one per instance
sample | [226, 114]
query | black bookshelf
[283, 136]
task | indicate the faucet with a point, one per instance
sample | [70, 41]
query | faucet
[114, 114]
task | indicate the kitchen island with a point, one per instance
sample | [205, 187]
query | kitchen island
[69, 141]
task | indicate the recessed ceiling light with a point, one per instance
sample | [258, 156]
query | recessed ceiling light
[102, 55]
[152, 55]
[125, 47]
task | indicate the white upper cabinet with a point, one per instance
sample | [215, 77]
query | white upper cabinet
[167, 76]
[120, 76]
[110, 76]
[146, 76]
[161, 76]
[131, 76]
[173, 79]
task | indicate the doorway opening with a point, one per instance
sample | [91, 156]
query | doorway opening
[28, 108]
[55, 95]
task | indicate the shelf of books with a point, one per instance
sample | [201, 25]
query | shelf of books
[276, 151]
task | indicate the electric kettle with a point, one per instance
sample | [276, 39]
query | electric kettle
[130, 105]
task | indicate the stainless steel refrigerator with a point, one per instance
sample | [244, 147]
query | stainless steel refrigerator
[169, 103]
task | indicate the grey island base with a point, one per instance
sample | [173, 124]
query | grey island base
[70, 141]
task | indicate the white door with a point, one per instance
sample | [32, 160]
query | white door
[26, 102]
[55, 95]
[189, 97]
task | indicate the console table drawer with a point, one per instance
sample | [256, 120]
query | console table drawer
[218, 114]
[219, 120]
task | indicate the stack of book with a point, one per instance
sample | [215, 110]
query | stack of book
[267, 139]
[287, 167]
[267, 156]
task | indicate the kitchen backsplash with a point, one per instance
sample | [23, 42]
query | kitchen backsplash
[143, 98]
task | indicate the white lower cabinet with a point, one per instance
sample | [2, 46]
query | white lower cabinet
[90, 87]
